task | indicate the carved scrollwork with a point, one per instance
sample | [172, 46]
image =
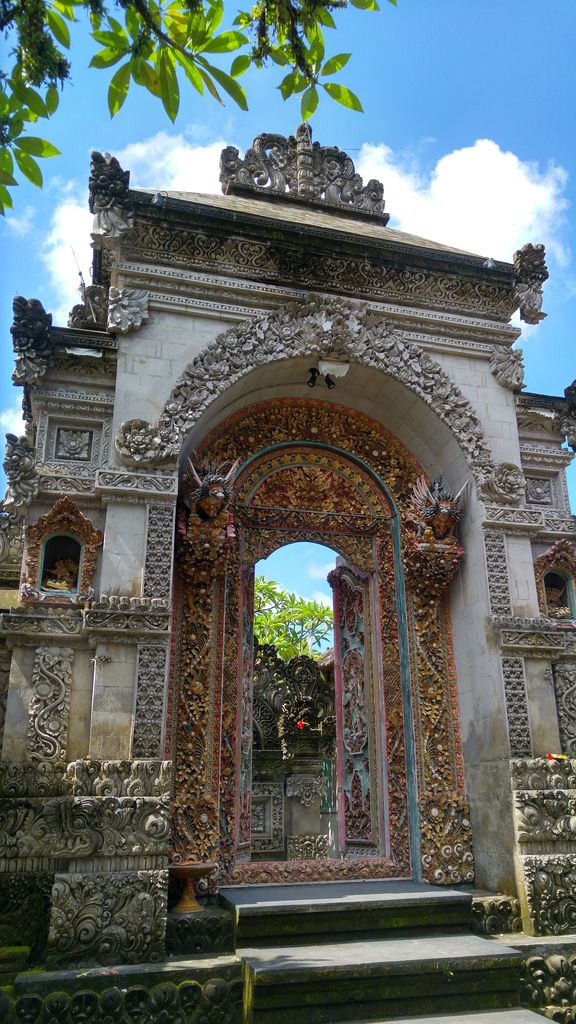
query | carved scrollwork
[506, 484]
[507, 365]
[315, 328]
[127, 309]
[530, 273]
[447, 838]
[50, 704]
[297, 167]
[551, 892]
[308, 846]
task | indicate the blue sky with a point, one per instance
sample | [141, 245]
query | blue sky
[469, 122]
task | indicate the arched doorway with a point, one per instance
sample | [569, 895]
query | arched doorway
[311, 471]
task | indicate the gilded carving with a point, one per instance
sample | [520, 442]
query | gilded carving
[447, 839]
[63, 518]
[307, 846]
[559, 559]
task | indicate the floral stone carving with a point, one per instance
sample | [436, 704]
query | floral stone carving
[342, 329]
[447, 835]
[136, 778]
[530, 273]
[50, 704]
[306, 788]
[506, 485]
[138, 441]
[32, 340]
[550, 893]
[564, 676]
[63, 518]
[108, 196]
[496, 915]
[108, 918]
[298, 168]
[507, 365]
[21, 472]
[127, 309]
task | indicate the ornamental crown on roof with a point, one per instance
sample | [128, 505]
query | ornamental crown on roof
[296, 168]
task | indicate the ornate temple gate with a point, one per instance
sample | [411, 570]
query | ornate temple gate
[317, 472]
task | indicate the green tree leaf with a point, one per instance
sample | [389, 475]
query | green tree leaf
[5, 200]
[52, 99]
[107, 58]
[145, 75]
[170, 91]
[230, 85]
[240, 64]
[325, 18]
[366, 5]
[192, 73]
[214, 17]
[225, 43]
[7, 179]
[118, 88]
[58, 27]
[37, 147]
[343, 96]
[309, 102]
[29, 167]
[335, 64]
[29, 98]
[133, 23]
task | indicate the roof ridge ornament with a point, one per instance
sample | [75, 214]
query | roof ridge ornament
[295, 168]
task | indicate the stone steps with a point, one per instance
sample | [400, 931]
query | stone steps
[379, 980]
[513, 1016]
[280, 914]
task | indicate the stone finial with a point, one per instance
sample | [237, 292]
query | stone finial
[302, 169]
[32, 340]
[506, 485]
[108, 196]
[530, 272]
[21, 472]
[90, 314]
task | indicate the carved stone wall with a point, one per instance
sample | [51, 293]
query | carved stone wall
[98, 832]
[544, 795]
[150, 701]
[564, 678]
[516, 707]
[159, 551]
[497, 569]
[50, 705]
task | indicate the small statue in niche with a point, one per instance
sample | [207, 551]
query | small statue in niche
[211, 494]
[436, 508]
[62, 576]
[557, 599]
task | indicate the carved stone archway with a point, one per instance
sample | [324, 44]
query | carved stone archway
[313, 328]
[316, 471]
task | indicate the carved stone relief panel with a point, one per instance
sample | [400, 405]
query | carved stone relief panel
[159, 551]
[516, 707]
[50, 704]
[564, 677]
[108, 918]
[539, 491]
[5, 658]
[549, 881]
[308, 846]
[150, 690]
[497, 569]
[267, 817]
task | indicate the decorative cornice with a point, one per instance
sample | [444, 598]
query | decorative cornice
[536, 637]
[340, 329]
[118, 482]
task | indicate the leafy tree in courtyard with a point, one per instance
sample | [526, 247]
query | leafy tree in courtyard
[294, 625]
[158, 46]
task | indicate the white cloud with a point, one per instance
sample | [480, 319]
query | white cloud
[67, 247]
[170, 163]
[23, 224]
[319, 570]
[166, 162]
[479, 198]
[11, 421]
[321, 598]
